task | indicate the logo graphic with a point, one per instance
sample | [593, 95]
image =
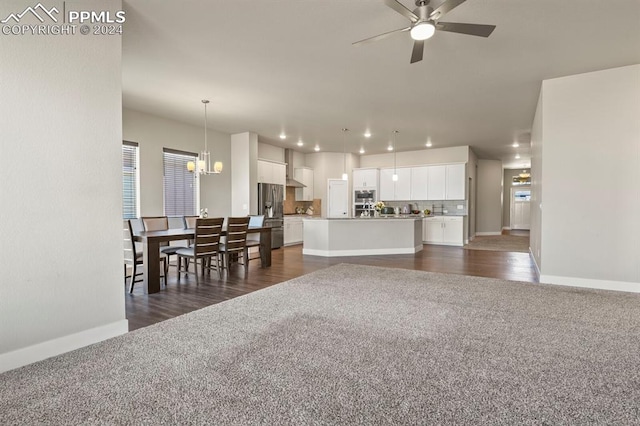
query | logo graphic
[34, 11]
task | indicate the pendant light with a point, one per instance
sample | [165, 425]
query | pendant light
[204, 159]
[345, 176]
[395, 171]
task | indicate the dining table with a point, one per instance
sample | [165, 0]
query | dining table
[151, 241]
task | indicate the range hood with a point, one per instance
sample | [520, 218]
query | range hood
[288, 158]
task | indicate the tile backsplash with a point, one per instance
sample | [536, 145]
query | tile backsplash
[450, 206]
[290, 203]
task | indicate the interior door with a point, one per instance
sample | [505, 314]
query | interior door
[338, 198]
[520, 208]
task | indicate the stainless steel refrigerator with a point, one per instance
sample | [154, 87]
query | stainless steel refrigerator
[270, 204]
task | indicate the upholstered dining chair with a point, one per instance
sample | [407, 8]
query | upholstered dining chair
[133, 254]
[236, 242]
[206, 247]
[253, 239]
[160, 223]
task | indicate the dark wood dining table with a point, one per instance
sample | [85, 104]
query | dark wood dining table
[151, 250]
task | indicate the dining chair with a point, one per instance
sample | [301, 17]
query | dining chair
[206, 247]
[236, 242]
[133, 255]
[253, 239]
[190, 223]
[161, 223]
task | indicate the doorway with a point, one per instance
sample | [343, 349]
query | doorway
[520, 208]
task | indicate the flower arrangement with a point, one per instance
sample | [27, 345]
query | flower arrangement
[379, 205]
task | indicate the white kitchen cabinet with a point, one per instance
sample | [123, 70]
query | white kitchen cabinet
[436, 182]
[399, 190]
[271, 172]
[365, 179]
[419, 182]
[446, 182]
[387, 185]
[455, 182]
[304, 175]
[293, 230]
[445, 230]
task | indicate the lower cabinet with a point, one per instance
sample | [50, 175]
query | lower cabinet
[445, 230]
[292, 230]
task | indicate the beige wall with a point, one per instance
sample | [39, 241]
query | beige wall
[459, 154]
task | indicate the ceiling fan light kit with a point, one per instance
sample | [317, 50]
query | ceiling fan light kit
[424, 23]
[422, 31]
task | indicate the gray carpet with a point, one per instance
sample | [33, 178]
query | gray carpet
[356, 345]
[499, 243]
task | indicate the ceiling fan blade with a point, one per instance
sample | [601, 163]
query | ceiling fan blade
[418, 49]
[398, 7]
[380, 36]
[469, 29]
[445, 7]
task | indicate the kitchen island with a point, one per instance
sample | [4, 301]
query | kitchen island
[362, 236]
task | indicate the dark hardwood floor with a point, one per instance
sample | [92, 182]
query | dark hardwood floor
[288, 262]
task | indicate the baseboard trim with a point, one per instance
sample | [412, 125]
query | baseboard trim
[535, 264]
[629, 287]
[50, 348]
[506, 228]
[480, 234]
[362, 252]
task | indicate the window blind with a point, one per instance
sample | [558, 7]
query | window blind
[129, 180]
[180, 185]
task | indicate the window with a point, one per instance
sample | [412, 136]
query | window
[180, 185]
[130, 180]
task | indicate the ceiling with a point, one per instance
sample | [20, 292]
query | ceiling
[272, 66]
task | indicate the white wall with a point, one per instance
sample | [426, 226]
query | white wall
[458, 154]
[489, 197]
[244, 174]
[590, 174]
[61, 192]
[535, 234]
[270, 152]
[155, 133]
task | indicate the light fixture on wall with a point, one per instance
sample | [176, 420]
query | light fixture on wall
[395, 171]
[204, 159]
[345, 176]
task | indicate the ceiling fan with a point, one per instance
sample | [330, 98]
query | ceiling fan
[424, 23]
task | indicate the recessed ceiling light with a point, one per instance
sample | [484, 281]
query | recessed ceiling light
[515, 144]
[428, 144]
[367, 134]
[361, 150]
[389, 148]
[317, 148]
[283, 136]
[300, 143]
[517, 156]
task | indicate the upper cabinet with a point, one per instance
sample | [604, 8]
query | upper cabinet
[365, 179]
[304, 175]
[436, 182]
[399, 190]
[440, 182]
[272, 172]
[419, 183]
[455, 182]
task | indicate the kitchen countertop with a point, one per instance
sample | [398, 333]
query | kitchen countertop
[390, 216]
